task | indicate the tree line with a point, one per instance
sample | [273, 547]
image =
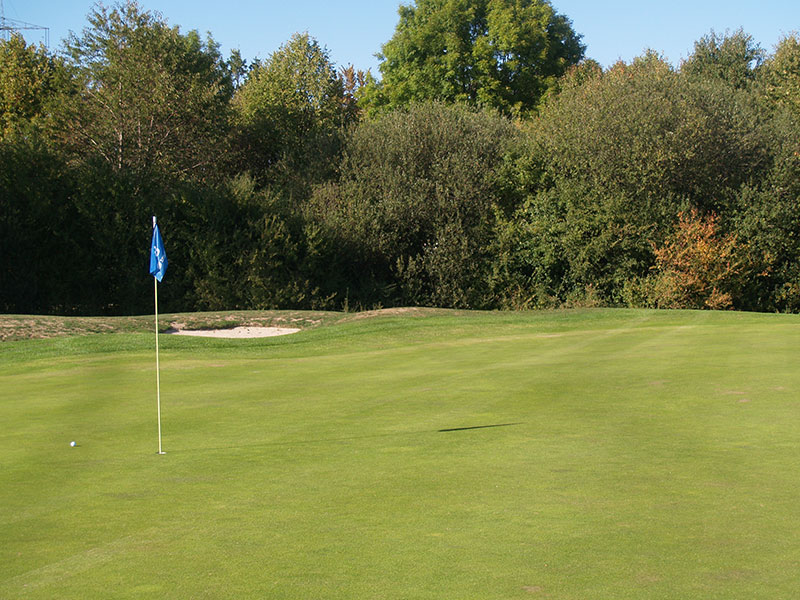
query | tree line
[493, 165]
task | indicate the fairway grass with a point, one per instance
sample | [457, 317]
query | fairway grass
[604, 454]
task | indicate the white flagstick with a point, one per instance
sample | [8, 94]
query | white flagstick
[158, 367]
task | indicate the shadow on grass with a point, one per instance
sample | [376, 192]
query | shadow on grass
[477, 427]
[345, 439]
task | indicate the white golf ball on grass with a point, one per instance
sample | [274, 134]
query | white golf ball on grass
[73, 444]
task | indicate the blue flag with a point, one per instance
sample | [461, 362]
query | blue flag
[158, 256]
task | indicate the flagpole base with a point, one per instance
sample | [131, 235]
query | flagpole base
[160, 452]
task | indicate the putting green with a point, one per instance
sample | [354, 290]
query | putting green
[575, 454]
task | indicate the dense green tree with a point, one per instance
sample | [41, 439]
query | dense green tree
[255, 252]
[616, 157]
[733, 58]
[150, 98]
[643, 130]
[412, 212]
[502, 54]
[74, 236]
[781, 75]
[767, 221]
[42, 260]
[29, 78]
[641, 185]
[289, 113]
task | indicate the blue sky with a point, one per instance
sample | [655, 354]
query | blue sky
[353, 31]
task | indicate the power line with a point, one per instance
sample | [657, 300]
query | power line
[8, 26]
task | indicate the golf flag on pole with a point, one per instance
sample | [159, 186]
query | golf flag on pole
[158, 266]
[158, 256]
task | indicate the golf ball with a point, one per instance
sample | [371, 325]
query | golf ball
[72, 444]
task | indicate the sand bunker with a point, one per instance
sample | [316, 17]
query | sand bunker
[235, 332]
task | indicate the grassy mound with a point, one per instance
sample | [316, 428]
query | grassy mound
[574, 454]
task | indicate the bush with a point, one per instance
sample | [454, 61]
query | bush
[44, 263]
[251, 251]
[414, 207]
[614, 157]
[697, 266]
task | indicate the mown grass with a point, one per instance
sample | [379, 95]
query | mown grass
[574, 454]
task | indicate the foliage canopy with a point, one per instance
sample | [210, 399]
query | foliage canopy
[501, 54]
[29, 78]
[289, 114]
[492, 167]
[148, 97]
